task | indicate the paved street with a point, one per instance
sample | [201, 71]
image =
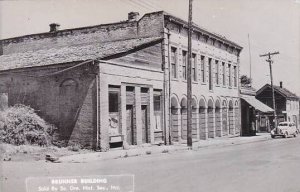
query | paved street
[272, 165]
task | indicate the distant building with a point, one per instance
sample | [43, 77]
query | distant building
[126, 81]
[251, 110]
[287, 105]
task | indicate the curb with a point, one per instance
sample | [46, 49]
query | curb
[118, 154]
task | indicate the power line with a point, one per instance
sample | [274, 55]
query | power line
[141, 5]
[151, 5]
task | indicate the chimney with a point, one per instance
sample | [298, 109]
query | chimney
[280, 84]
[133, 16]
[54, 27]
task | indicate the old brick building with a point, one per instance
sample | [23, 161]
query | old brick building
[125, 81]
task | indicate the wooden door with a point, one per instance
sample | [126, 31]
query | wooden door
[145, 131]
[129, 124]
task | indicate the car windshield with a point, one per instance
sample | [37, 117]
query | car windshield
[283, 124]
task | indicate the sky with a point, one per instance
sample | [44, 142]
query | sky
[261, 25]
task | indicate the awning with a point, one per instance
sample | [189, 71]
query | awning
[258, 105]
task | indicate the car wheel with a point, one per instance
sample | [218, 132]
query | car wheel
[273, 136]
[295, 134]
[285, 135]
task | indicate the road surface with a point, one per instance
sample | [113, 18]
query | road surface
[266, 166]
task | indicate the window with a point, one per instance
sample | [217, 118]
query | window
[223, 73]
[235, 76]
[114, 110]
[113, 102]
[156, 99]
[217, 72]
[229, 75]
[173, 62]
[194, 64]
[157, 94]
[184, 64]
[209, 74]
[203, 68]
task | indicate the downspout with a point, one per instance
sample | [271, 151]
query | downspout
[239, 94]
[169, 61]
[98, 106]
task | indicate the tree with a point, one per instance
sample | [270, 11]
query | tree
[246, 81]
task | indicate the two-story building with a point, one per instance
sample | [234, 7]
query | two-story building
[287, 105]
[126, 81]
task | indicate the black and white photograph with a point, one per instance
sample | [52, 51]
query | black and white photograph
[149, 95]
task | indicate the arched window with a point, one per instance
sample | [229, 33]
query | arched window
[68, 106]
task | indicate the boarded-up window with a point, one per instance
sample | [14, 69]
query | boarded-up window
[68, 106]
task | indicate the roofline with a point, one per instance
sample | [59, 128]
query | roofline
[107, 57]
[66, 30]
[165, 14]
[202, 30]
[275, 89]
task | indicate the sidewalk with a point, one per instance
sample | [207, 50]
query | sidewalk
[154, 149]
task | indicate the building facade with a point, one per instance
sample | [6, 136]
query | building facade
[125, 82]
[287, 105]
[251, 111]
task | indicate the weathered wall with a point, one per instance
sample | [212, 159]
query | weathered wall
[148, 25]
[151, 24]
[66, 100]
[72, 37]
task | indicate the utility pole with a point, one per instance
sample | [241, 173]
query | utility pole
[250, 59]
[189, 79]
[270, 61]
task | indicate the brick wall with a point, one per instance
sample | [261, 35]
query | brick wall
[72, 37]
[148, 25]
[74, 117]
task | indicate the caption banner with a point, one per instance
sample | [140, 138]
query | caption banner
[108, 183]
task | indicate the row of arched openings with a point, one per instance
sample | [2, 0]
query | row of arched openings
[221, 119]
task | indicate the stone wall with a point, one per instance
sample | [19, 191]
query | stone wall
[66, 100]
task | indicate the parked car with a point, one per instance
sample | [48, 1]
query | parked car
[285, 129]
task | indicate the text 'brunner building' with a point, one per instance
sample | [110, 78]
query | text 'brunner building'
[125, 82]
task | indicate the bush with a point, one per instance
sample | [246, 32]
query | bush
[20, 125]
